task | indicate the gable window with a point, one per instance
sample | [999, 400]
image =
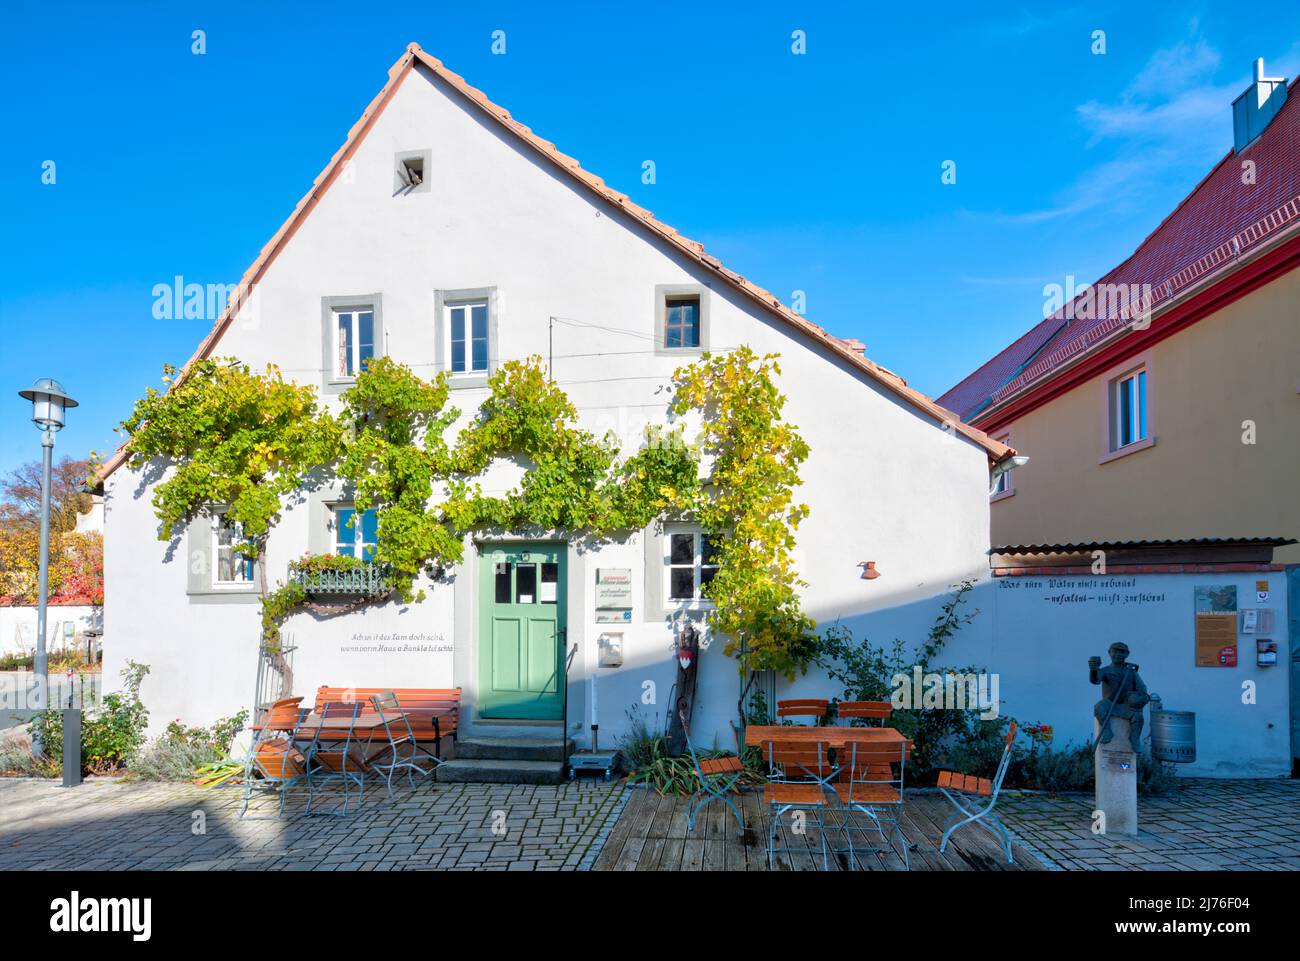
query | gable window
[691, 565]
[230, 568]
[411, 170]
[356, 535]
[681, 319]
[1128, 409]
[354, 341]
[681, 323]
[467, 337]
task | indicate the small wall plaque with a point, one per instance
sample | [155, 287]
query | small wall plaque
[613, 595]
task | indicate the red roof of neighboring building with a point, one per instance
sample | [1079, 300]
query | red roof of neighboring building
[1220, 220]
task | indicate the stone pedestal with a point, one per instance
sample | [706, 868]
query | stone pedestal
[1116, 771]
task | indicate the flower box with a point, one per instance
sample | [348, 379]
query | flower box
[363, 579]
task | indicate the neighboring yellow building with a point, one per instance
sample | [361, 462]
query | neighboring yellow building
[1165, 403]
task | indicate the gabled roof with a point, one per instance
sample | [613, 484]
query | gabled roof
[1220, 222]
[847, 350]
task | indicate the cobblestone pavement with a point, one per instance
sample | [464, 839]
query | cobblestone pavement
[107, 825]
[1205, 825]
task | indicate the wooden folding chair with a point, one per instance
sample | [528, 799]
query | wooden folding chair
[814, 707]
[965, 792]
[870, 786]
[857, 713]
[332, 758]
[718, 778]
[797, 784]
[274, 762]
[402, 752]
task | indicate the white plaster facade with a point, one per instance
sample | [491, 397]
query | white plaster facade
[886, 482]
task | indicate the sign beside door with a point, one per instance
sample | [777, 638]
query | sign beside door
[613, 595]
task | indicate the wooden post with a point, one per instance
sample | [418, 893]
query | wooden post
[688, 663]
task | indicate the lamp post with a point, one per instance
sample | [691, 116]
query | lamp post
[49, 401]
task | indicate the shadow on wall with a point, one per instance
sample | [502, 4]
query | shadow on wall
[645, 682]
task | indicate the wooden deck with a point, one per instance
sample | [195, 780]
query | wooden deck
[651, 836]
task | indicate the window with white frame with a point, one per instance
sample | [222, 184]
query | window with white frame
[230, 568]
[356, 535]
[1128, 409]
[690, 565]
[467, 337]
[354, 341]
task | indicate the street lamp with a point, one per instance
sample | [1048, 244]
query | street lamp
[49, 401]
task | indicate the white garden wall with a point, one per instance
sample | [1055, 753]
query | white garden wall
[1046, 626]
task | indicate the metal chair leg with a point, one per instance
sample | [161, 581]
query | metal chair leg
[774, 824]
[740, 821]
[821, 832]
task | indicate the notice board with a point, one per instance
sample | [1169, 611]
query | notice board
[1216, 625]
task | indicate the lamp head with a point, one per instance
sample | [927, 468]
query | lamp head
[49, 401]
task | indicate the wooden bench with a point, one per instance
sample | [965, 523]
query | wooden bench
[433, 713]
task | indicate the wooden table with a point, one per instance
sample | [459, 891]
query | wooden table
[836, 737]
[367, 722]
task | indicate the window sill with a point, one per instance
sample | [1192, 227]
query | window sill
[1133, 448]
[225, 595]
[673, 606]
[337, 385]
[467, 381]
[679, 351]
[1002, 495]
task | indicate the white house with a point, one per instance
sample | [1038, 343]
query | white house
[508, 244]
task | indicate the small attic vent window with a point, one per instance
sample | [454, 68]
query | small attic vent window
[410, 171]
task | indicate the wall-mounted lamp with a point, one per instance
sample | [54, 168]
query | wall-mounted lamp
[869, 572]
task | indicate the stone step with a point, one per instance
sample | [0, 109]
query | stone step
[487, 747]
[499, 771]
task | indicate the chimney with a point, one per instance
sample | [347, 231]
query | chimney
[1252, 111]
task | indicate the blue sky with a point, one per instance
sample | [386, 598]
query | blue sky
[819, 172]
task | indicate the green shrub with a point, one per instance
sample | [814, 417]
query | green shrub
[165, 759]
[15, 751]
[648, 761]
[180, 753]
[108, 733]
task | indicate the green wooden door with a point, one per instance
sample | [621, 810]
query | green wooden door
[521, 624]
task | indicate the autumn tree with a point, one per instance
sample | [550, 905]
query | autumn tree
[76, 564]
[20, 495]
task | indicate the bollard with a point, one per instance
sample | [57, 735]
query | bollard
[71, 747]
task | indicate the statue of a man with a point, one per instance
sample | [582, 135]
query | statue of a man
[1123, 694]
